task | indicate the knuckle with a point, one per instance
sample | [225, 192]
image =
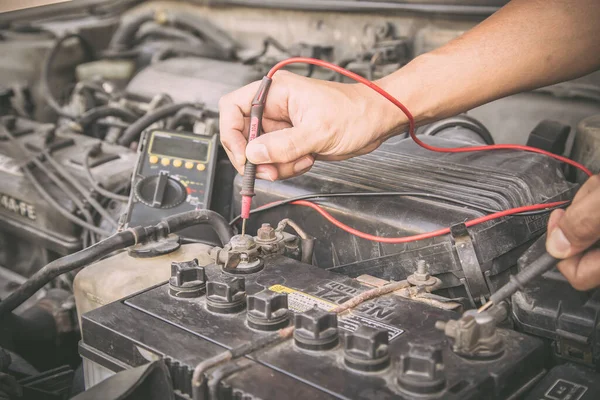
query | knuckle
[291, 150]
[224, 102]
[578, 228]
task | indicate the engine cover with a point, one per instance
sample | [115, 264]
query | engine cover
[155, 324]
[23, 213]
[496, 180]
[200, 80]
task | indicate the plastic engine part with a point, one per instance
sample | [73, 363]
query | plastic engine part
[23, 211]
[570, 319]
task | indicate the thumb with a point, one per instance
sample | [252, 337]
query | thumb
[577, 229]
[283, 146]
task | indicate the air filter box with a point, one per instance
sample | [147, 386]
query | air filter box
[495, 180]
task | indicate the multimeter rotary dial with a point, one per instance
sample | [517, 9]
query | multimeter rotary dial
[160, 191]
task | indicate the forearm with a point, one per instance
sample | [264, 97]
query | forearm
[525, 45]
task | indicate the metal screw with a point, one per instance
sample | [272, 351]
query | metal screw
[422, 273]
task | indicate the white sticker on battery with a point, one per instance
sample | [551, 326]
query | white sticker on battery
[300, 302]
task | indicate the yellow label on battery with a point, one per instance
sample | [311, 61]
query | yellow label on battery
[300, 302]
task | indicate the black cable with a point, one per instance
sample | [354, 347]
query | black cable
[183, 114]
[390, 194]
[45, 73]
[92, 180]
[113, 243]
[135, 130]
[535, 269]
[65, 264]
[91, 116]
[184, 220]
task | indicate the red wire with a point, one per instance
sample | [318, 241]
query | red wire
[421, 236]
[411, 131]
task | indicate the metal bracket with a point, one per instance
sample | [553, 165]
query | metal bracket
[475, 281]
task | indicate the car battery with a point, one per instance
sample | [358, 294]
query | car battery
[387, 347]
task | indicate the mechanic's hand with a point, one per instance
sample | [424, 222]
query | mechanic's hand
[305, 118]
[573, 234]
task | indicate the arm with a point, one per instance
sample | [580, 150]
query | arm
[527, 44]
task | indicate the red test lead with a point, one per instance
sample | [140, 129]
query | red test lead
[255, 129]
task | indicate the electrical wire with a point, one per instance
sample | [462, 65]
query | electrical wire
[80, 188]
[317, 196]
[95, 185]
[88, 224]
[422, 236]
[412, 134]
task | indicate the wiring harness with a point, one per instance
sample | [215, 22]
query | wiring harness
[524, 210]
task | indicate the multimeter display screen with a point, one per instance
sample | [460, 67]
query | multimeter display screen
[179, 147]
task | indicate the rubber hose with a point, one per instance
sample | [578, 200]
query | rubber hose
[45, 74]
[115, 242]
[125, 33]
[184, 220]
[463, 121]
[95, 114]
[134, 130]
[65, 264]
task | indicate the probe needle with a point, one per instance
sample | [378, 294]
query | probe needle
[485, 306]
[534, 270]
[244, 226]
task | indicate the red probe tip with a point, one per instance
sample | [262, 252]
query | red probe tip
[246, 205]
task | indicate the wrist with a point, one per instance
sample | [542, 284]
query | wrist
[411, 87]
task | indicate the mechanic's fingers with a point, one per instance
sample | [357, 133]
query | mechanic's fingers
[280, 147]
[272, 172]
[231, 128]
[236, 147]
[578, 228]
[591, 185]
[555, 216]
[583, 270]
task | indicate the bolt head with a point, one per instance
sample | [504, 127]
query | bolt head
[266, 232]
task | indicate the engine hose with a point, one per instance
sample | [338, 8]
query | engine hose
[118, 241]
[45, 73]
[125, 33]
[462, 121]
[124, 37]
[91, 116]
[184, 220]
[183, 115]
[134, 130]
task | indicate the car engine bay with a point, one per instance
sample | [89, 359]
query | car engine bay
[123, 270]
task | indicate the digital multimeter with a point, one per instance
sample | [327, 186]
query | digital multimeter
[174, 173]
